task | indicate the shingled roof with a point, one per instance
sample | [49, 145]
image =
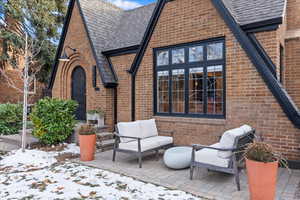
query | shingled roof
[252, 11]
[131, 28]
[110, 27]
[100, 19]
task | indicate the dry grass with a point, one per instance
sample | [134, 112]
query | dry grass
[263, 152]
[87, 129]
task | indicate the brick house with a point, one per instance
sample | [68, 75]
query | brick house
[197, 67]
[11, 81]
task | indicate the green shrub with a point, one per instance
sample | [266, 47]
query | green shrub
[53, 120]
[10, 118]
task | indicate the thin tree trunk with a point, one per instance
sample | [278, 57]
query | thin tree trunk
[25, 96]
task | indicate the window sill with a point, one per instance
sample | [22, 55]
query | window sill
[191, 120]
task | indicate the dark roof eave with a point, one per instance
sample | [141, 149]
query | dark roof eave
[261, 24]
[92, 47]
[60, 44]
[110, 85]
[121, 51]
[147, 35]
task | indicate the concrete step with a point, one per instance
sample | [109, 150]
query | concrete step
[102, 129]
[105, 136]
[105, 145]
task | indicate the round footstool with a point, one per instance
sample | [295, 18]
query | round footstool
[178, 157]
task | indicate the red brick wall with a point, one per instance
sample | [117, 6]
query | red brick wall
[292, 51]
[9, 94]
[293, 16]
[249, 101]
[121, 65]
[77, 38]
[292, 71]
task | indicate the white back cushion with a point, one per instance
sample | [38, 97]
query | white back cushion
[148, 128]
[246, 128]
[227, 141]
[129, 129]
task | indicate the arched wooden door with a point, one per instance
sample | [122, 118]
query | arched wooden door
[78, 92]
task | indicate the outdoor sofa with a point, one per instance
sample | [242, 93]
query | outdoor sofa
[140, 137]
[224, 155]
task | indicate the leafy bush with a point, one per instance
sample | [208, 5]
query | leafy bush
[10, 118]
[53, 120]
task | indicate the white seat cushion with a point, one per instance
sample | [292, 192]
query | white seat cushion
[131, 129]
[210, 156]
[147, 143]
[148, 128]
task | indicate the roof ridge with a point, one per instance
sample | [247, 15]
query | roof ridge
[143, 6]
[113, 5]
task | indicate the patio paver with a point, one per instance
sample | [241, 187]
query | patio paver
[211, 185]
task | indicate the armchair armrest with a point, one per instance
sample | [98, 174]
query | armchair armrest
[199, 146]
[129, 137]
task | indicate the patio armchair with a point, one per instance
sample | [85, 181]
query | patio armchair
[224, 155]
[140, 137]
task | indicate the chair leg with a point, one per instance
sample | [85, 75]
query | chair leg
[157, 155]
[140, 160]
[114, 155]
[191, 172]
[237, 180]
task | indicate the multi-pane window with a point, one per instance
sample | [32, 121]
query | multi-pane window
[163, 91]
[190, 79]
[196, 90]
[178, 90]
[162, 58]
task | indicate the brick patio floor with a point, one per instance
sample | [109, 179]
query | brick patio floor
[210, 185]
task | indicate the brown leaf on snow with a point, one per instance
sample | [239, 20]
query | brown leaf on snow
[60, 188]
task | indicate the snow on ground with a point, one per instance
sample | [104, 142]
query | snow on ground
[36, 175]
[33, 159]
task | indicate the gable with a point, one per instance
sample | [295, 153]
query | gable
[206, 16]
[60, 44]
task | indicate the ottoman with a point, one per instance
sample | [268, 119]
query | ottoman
[178, 157]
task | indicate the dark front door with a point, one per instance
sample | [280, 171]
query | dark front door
[78, 92]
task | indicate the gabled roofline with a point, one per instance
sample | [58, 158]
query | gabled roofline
[251, 46]
[259, 62]
[108, 85]
[147, 36]
[61, 42]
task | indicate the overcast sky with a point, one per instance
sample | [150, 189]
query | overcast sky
[130, 4]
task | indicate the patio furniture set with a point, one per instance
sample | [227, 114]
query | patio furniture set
[141, 137]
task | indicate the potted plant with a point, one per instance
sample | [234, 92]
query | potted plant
[96, 115]
[87, 142]
[262, 166]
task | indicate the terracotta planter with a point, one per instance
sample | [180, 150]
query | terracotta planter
[262, 178]
[87, 145]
